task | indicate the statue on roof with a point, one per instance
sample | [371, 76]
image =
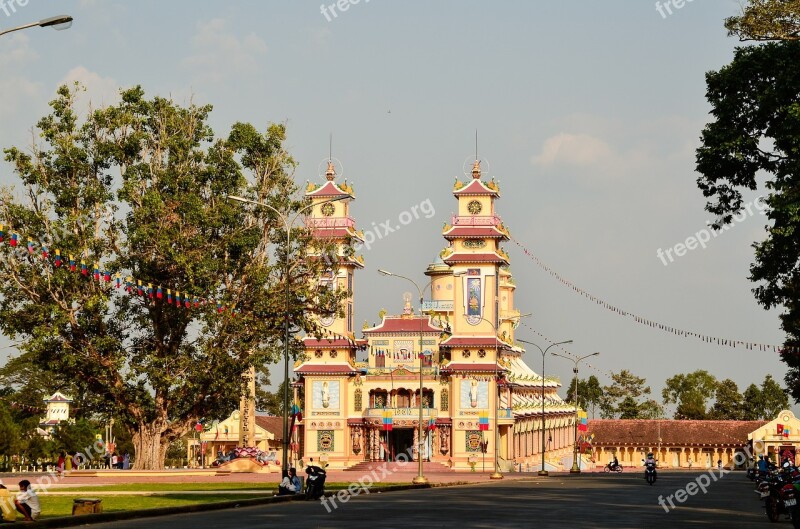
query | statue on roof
[476, 169]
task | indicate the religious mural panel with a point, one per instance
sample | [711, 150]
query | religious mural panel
[325, 394]
[474, 394]
[325, 441]
[473, 441]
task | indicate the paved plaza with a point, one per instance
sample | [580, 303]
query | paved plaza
[560, 501]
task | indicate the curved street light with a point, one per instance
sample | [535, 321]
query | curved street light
[59, 22]
[288, 224]
[543, 472]
[420, 479]
[575, 468]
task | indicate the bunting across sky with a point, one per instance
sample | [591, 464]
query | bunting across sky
[728, 342]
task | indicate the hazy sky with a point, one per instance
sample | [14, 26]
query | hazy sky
[588, 113]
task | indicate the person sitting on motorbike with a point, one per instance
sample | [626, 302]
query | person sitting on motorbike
[615, 463]
[650, 461]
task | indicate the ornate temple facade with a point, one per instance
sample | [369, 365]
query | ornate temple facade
[454, 353]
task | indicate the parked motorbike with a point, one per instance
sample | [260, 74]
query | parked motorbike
[315, 482]
[777, 488]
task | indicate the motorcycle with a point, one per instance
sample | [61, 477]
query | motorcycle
[315, 482]
[650, 473]
[779, 498]
[611, 467]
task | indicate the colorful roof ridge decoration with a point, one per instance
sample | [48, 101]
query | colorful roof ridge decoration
[451, 257]
[475, 341]
[398, 324]
[458, 231]
[325, 369]
[476, 186]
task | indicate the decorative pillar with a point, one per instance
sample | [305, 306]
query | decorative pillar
[416, 444]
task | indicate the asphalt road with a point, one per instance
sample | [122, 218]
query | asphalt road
[587, 501]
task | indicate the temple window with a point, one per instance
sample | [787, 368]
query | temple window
[357, 401]
[445, 398]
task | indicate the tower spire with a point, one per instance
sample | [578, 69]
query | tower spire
[330, 174]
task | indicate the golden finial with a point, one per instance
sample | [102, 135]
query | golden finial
[330, 174]
[476, 169]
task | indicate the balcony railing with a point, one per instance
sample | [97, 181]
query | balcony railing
[476, 220]
[386, 371]
[333, 222]
[410, 413]
[504, 413]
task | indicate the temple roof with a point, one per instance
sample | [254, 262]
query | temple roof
[329, 189]
[454, 367]
[398, 324]
[459, 257]
[647, 432]
[326, 369]
[476, 232]
[58, 397]
[474, 341]
[476, 188]
[312, 342]
[271, 424]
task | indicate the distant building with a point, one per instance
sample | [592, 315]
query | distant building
[57, 412]
[477, 392]
[675, 444]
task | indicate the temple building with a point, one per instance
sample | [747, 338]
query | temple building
[453, 353]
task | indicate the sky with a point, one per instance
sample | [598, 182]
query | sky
[587, 113]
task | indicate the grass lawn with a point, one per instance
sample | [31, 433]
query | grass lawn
[161, 487]
[62, 505]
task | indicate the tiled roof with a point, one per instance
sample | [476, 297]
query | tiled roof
[404, 325]
[272, 424]
[476, 187]
[325, 369]
[472, 368]
[329, 189]
[621, 432]
[482, 232]
[474, 341]
[327, 343]
[474, 258]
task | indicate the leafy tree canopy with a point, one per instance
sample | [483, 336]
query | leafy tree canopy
[140, 187]
[690, 392]
[766, 20]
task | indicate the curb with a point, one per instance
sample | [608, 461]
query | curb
[86, 519]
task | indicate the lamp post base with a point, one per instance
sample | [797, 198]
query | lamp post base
[574, 470]
[496, 475]
[544, 473]
[420, 480]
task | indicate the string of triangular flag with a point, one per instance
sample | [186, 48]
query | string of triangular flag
[91, 268]
[652, 323]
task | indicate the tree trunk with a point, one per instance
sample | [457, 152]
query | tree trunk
[149, 447]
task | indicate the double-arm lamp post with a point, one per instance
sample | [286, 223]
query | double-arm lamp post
[420, 479]
[59, 22]
[288, 224]
[575, 468]
[543, 472]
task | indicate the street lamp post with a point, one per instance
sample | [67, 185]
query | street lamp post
[575, 468]
[288, 225]
[420, 479]
[497, 474]
[59, 22]
[544, 472]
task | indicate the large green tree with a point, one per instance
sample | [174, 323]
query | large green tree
[590, 393]
[752, 141]
[627, 398]
[728, 402]
[690, 392]
[140, 188]
[773, 398]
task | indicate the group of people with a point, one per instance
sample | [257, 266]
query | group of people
[119, 462]
[26, 503]
[290, 484]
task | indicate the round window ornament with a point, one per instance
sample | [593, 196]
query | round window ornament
[326, 321]
[474, 207]
[328, 209]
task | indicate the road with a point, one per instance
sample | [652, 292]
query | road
[563, 501]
